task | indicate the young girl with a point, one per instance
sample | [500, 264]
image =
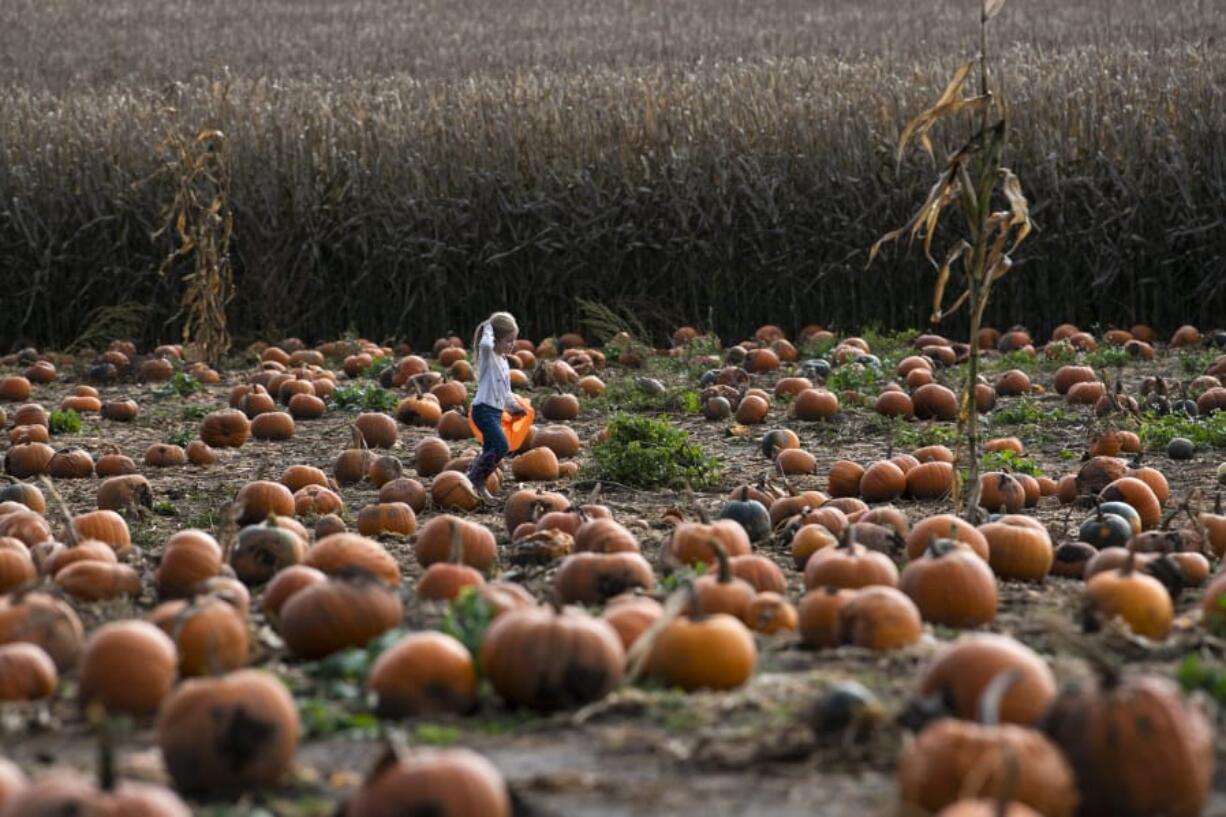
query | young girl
[492, 341]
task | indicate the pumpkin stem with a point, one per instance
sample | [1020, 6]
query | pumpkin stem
[636, 658]
[229, 529]
[783, 476]
[1098, 507]
[1137, 457]
[538, 509]
[395, 748]
[847, 539]
[70, 530]
[103, 725]
[940, 547]
[1165, 524]
[456, 555]
[994, 695]
[1194, 514]
[1009, 784]
[1068, 518]
[721, 556]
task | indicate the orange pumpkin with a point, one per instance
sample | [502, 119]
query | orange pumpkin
[882, 482]
[819, 616]
[1139, 599]
[437, 782]
[951, 585]
[1139, 495]
[712, 651]
[533, 655]
[387, 518]
[347, 552]
[1019, 547]
[209, 634]
[850, 566]
[844, 479]
[227, 428]
[436, 540]
[322, 619]
[999, 491]
[814, 405]
[423, 674]
[690, 542]
[631, 616]
[197, 724]
[962, 671]
[879, 618]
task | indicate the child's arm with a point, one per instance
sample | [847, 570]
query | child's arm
[487, 336]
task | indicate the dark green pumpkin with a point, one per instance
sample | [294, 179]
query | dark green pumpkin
[1180, 448]
[1105, 530]
[816, 368]
[1125, 510]
[750, 514]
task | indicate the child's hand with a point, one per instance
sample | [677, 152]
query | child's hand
[516, 409]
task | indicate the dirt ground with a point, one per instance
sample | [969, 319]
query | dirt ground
[644, 750]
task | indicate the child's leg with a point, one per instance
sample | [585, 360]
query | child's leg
[494, 447]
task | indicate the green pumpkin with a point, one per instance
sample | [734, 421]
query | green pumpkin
[1125, 510]
[751, 515]
[1105, 530]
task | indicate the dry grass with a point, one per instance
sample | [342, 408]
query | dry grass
[387, 158]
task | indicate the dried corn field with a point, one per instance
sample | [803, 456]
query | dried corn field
[669, 157]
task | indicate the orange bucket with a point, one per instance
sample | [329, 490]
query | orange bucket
[514, 426]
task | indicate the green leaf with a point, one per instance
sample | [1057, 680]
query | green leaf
[64, 422]
[650, 453]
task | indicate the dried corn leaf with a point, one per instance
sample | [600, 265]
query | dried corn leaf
[949, 103]
[956, 305]
[933, 209]
[1019, 207]
[991, 8]
[961, 250]
[939, 197]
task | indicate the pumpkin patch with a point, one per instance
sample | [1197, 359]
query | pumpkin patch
[286, 575]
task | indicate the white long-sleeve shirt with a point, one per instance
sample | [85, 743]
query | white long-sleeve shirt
[493, 375]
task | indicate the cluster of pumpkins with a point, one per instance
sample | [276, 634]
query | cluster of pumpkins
[916, 391]
[329, 588]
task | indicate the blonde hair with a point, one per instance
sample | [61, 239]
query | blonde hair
[503, 324]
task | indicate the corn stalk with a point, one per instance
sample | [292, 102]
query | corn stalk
[202, 224]
[973, 176]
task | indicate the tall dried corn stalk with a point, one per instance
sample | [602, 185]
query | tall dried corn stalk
[972, 176]
[203, 224]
